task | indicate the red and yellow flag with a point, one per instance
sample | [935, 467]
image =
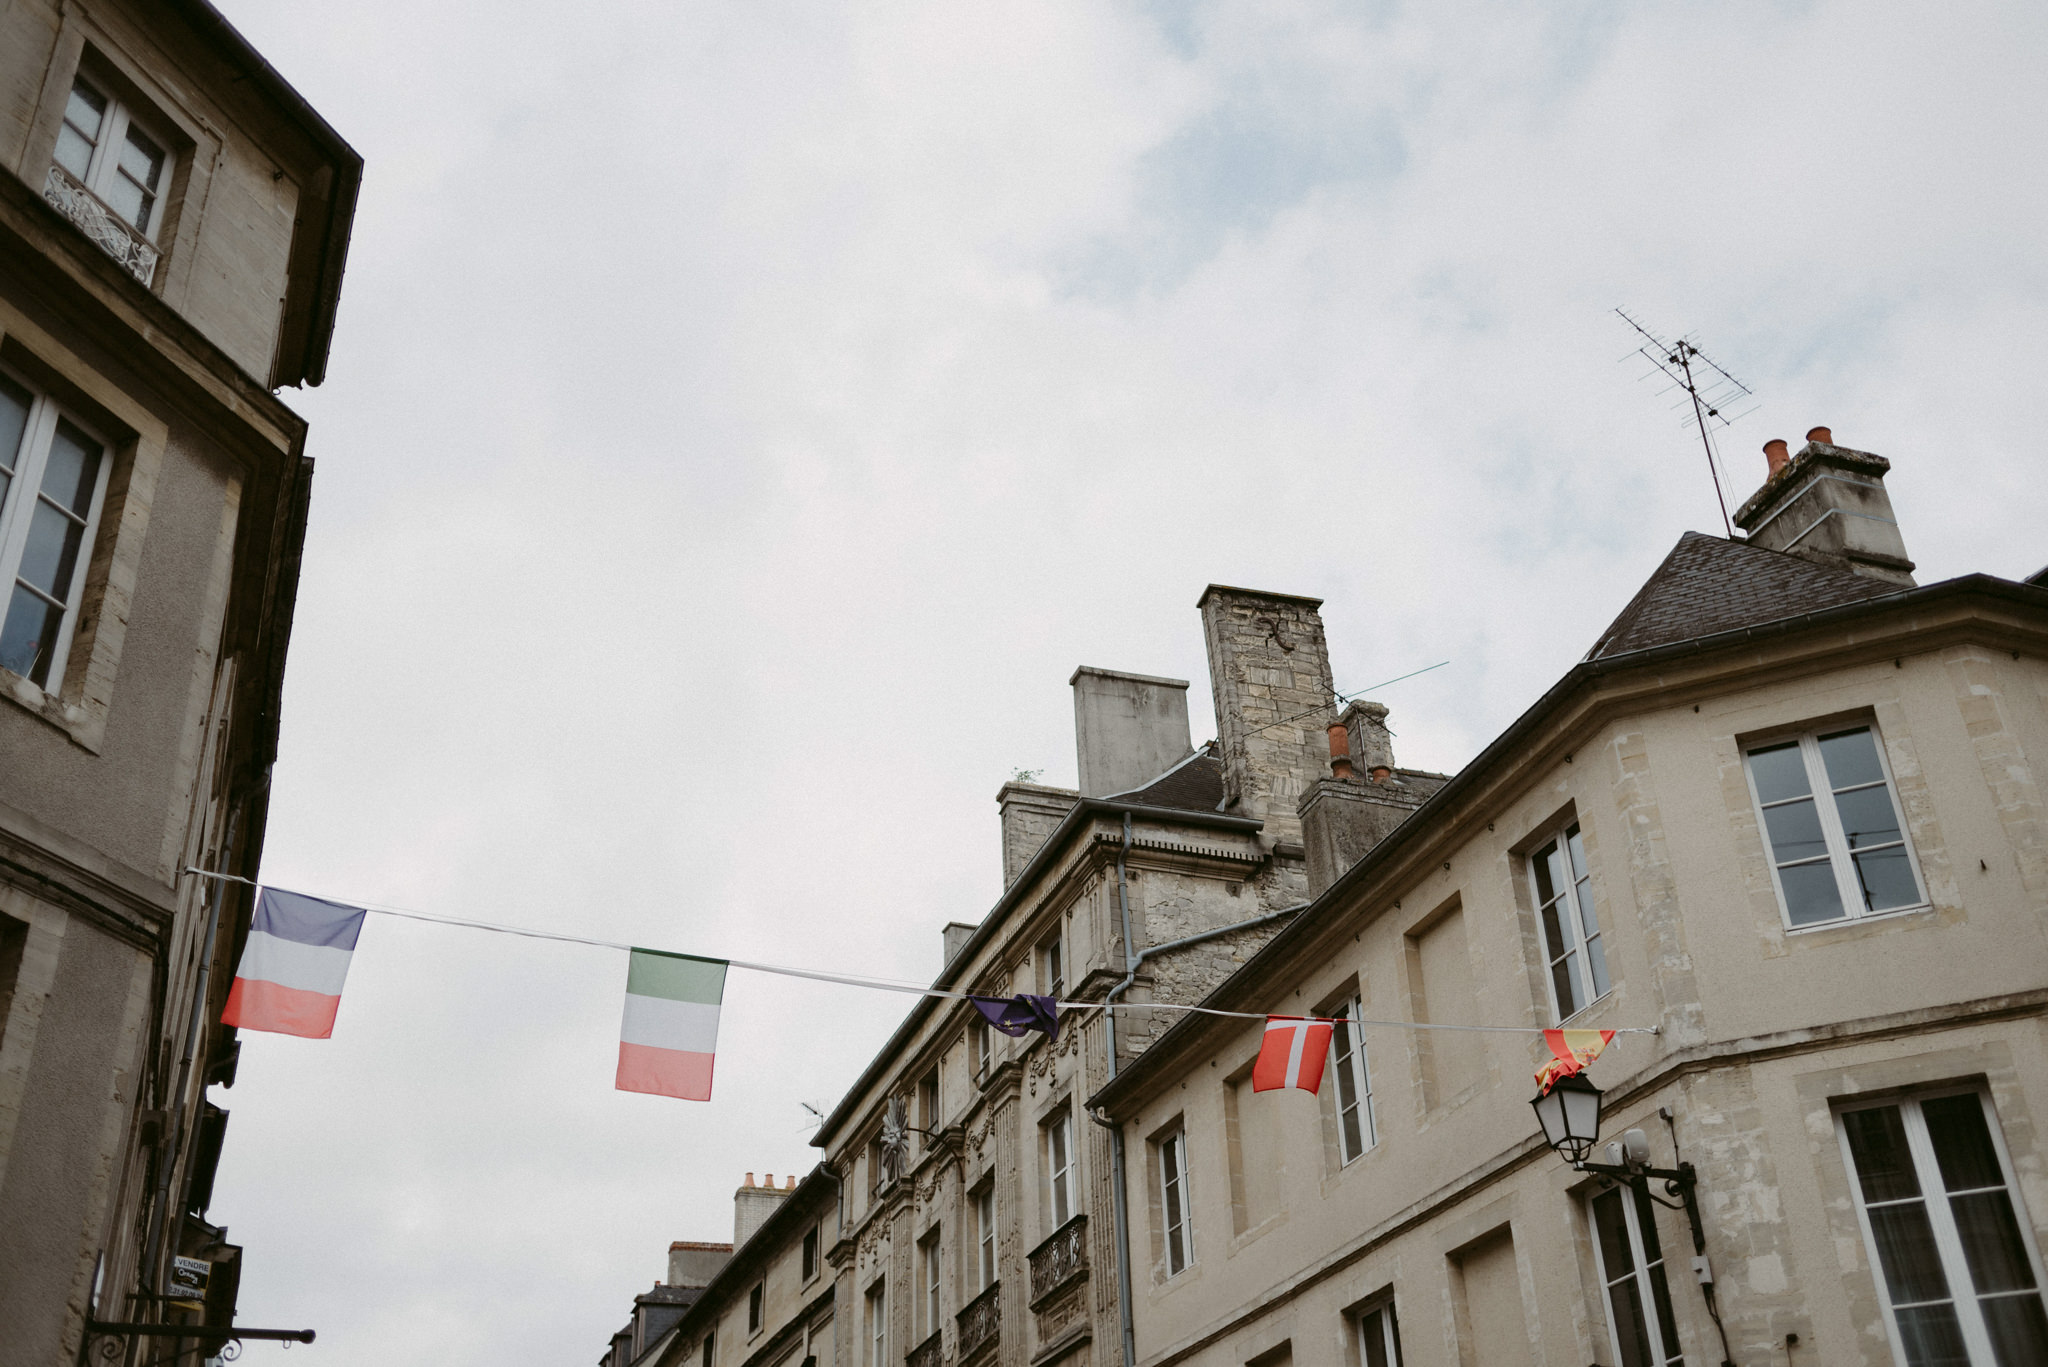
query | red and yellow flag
[1574, 1049]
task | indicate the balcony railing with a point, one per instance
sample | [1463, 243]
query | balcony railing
[1060, 1259]
[113, 236]
[930, 1353]
[980, 1321]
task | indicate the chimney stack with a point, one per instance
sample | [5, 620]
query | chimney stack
[1828, 504]
[1030, 813]
[1269, 671]
[751, 1207]
[1128, 728]
[1340, 752]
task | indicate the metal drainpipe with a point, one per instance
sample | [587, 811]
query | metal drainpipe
[1132, 962]
[153, 1253]
[1116, 1132]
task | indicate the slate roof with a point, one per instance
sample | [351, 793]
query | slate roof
[1708, 585]
[1193, 785]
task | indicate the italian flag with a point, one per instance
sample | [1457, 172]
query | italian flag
[671, 1027]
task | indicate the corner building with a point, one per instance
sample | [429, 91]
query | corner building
[173, 224]
[1788, 810]
[988, 1234]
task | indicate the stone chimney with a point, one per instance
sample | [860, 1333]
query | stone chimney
[1269, 670]
[1030, 811]
[695, 1264]
[957, 934]
[1360, 803]
[751, 1207]
[1828, 504]
[1128, 728]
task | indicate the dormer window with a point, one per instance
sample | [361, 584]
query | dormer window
[109, 153]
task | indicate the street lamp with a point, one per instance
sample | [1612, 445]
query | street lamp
[1569, 1112]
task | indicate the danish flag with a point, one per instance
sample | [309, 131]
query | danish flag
[1292, 1054]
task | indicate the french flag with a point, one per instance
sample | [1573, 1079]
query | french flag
[294, 964]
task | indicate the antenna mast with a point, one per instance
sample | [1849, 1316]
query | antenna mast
[1708, 395]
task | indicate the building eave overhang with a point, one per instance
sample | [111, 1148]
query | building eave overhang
[329, 255]
[1079, 816]
[1977, 595]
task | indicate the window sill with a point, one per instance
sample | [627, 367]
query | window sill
[72, 718]
[1845, 922]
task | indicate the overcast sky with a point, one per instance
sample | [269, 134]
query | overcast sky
[743, 417]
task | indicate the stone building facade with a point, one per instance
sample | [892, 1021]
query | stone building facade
[990, 1237]
[1789, 812]
[173, 223]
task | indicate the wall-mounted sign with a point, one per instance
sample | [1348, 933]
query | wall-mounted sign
[186, 1283]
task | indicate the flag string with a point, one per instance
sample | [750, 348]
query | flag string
[913, 989]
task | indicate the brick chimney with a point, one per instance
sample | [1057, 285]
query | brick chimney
[1269, 671]
[751, 1207]
[1828, 504]
[1343, 817]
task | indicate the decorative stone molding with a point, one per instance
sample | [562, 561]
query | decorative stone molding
[930, 1353]
[980, 1321]
[1060, 1261]
[136, 254]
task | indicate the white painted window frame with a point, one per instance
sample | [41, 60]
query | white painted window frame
[105, 162]
[929, 1274]
[985, 1237]
[1352, 1073]
[1059, 1167]
[17, 511]
[1645, 1290]
[1947, 1240]
[1840, 858]
[1581, 946]
[1379, 1319]
[878, 1323]
[1052, 964]
[1175, 1211]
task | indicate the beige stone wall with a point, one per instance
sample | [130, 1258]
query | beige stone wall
[1459, 1214]
[227, 231]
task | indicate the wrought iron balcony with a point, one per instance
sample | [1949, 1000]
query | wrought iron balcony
[1060, 1259]
[930, 1353]
[106, 228]
[980, 1321]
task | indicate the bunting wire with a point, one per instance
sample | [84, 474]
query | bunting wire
[897, 985]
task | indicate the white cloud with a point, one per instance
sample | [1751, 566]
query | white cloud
[743, 419]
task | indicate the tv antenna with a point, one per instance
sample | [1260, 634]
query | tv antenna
[1709, 390]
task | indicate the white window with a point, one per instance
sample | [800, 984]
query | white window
[878, 1325]
[1379, 1341]
[985, 1236]
[981, 1046]
[1572, 946]
[1356, 1130]
[1052, 968]
[1961, 1278]
[928, 1107]
[928, 1285]
[1173, 1201]
[1838, 848]
[755, 1295]
[1059, 1168]
[810, 1253]
[53, 479]
[109, 152]
[1632, 1280]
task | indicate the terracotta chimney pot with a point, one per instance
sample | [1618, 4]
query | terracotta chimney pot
[789, 1184]
[1340, 751]
[750, 1179]
[1381, 773]
[1821, 435]
[770, 1183]
[1776, 453]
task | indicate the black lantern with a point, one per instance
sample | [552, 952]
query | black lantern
[1570, 1115]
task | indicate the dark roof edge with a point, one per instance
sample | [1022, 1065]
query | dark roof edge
[348, 178]
[1048, 853]
[1227, 992]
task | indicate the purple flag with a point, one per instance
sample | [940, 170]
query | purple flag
[1020, 1013]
